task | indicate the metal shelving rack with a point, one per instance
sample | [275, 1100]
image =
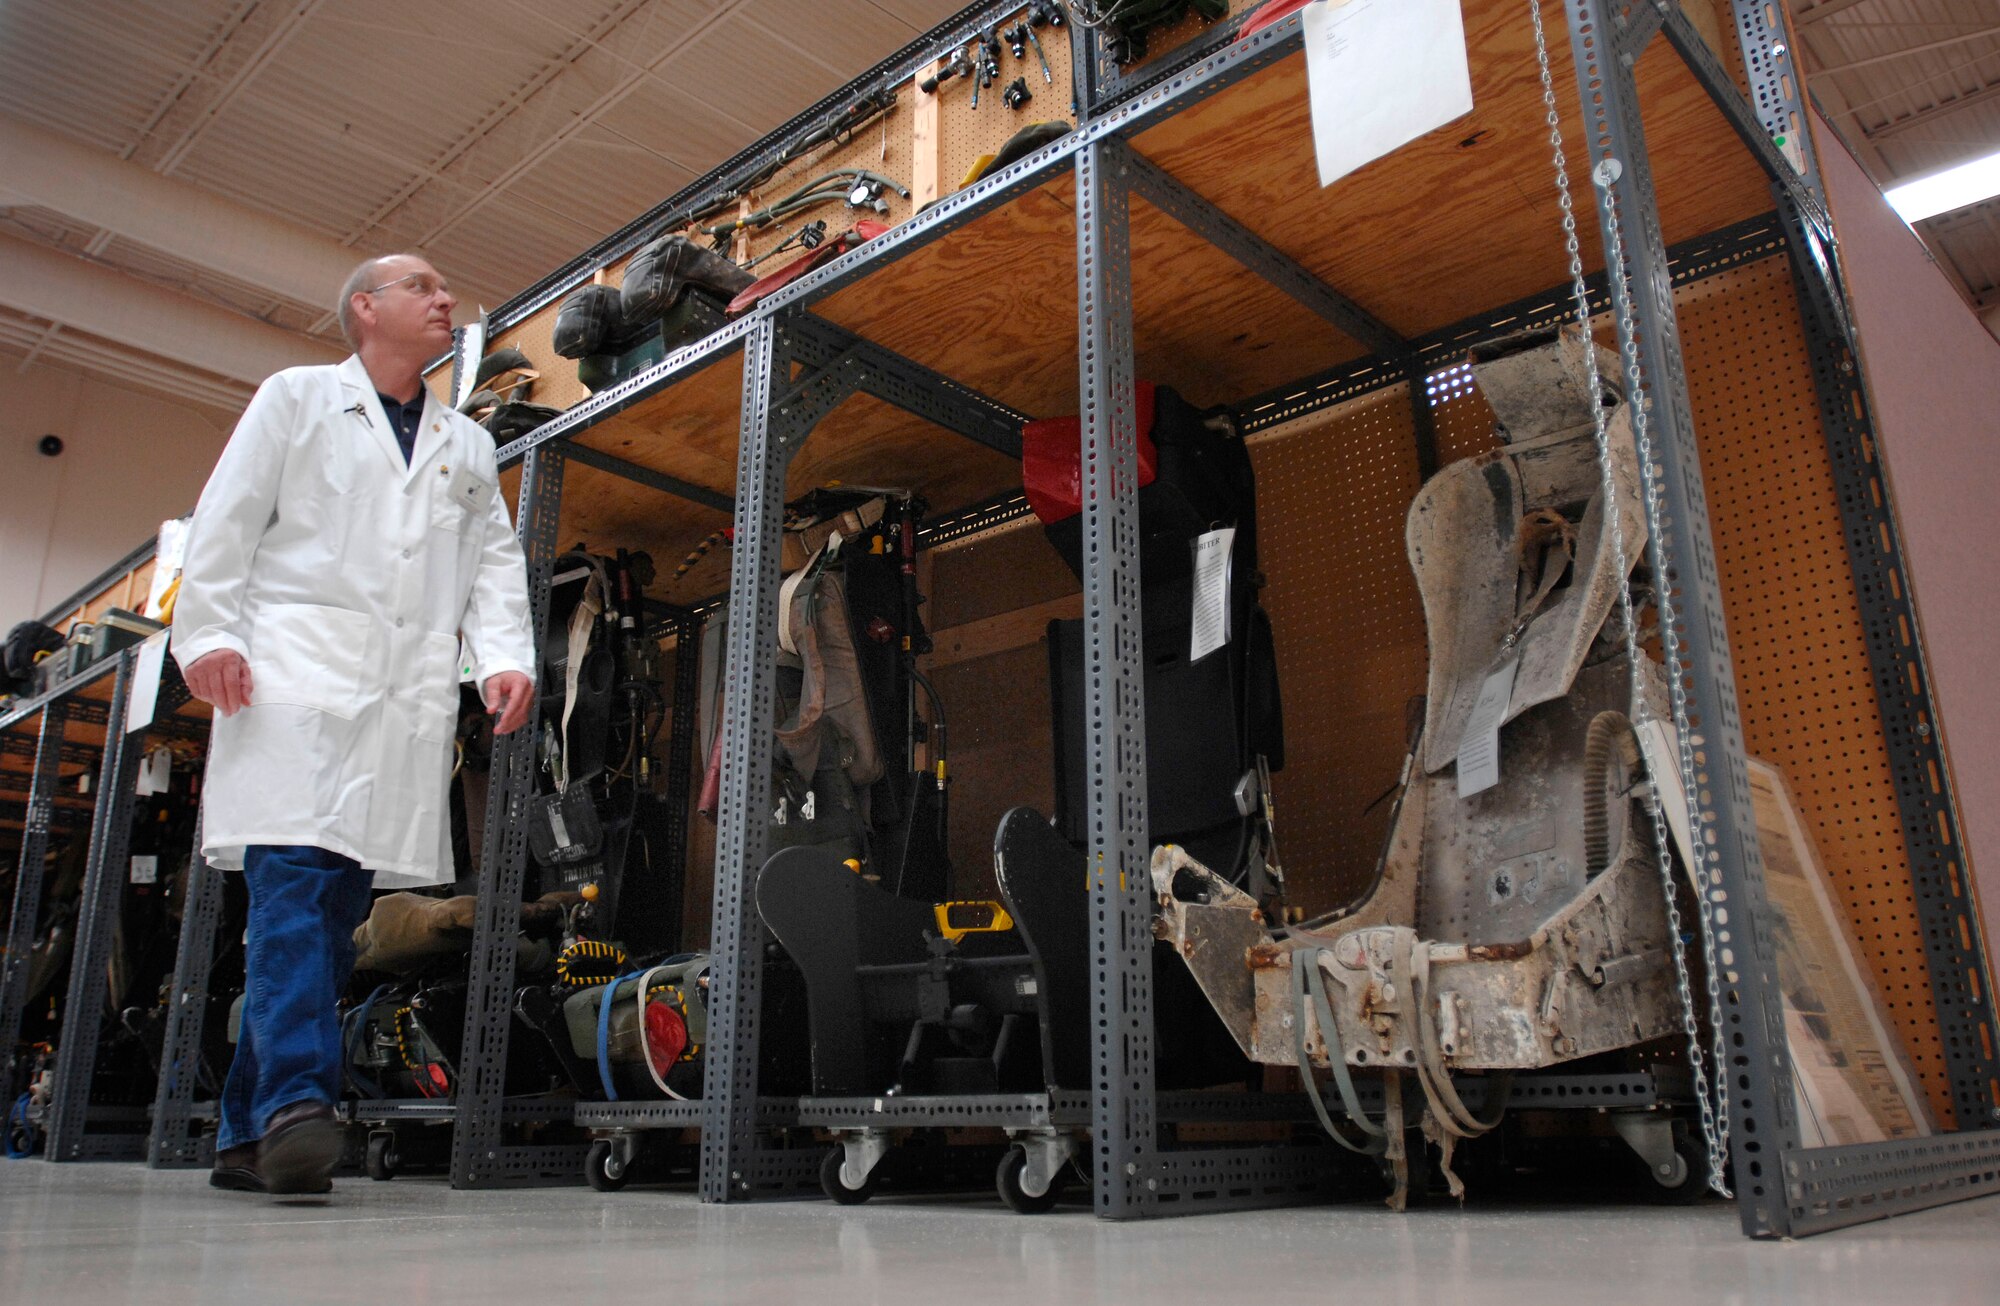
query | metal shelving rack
[1784, 1188]
[70, 1118]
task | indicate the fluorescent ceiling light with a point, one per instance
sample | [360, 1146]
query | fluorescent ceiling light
[1954, 188]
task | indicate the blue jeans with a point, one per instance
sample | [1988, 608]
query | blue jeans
[304, 906]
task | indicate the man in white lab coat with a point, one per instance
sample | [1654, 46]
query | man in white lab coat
[352, 532]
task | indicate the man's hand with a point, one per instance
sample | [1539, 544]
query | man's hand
[508, 696]
[221, 678]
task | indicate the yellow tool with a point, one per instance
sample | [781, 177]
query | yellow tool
[955, 920]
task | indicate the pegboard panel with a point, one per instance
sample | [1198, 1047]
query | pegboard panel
[881, 146]
[1162, 42]
[965, 133]
[997, 700]
[1802, 670]
[557, 386]
[1332, 491]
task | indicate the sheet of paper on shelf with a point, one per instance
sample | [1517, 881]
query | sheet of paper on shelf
[144, 695]
[1209, 630]
[1479, 746]
[1382, 73]
[156, 772]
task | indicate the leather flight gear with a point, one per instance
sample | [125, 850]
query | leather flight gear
[661, 272]
[592, 321]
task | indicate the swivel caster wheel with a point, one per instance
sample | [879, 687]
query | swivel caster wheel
[1687, 1180]
[382, 1161]
[834, 1184]
[602, 1168]
[1008, 1177]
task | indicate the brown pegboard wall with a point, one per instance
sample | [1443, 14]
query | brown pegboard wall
[1163, 41]
[965, 133]
[1332, 492]
[1333, 488]
[881, 146]
[1802, 672]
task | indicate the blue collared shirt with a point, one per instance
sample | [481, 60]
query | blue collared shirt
[404, 419]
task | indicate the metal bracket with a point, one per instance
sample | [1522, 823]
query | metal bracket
[1637, 26]
[1173, 197]
[1798, 175]
[814, 395]
[646, 476]
[911, 386]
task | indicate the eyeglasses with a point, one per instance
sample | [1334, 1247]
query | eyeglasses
[424, 285]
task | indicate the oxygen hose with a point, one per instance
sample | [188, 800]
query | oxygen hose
[604, 1038]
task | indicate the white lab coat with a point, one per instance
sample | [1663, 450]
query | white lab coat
[345, 578]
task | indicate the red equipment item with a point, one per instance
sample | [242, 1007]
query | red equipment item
[1052, 459]
[829, 249]
[1269, 14]
[666, 1036]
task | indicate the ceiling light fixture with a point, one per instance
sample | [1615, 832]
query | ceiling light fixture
[1942, 192]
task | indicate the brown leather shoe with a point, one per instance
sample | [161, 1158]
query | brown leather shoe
[236, 1169]
[300, 1147]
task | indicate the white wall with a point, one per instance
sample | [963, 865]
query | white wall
[131, 460]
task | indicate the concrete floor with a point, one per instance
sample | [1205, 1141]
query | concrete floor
[102, 1235]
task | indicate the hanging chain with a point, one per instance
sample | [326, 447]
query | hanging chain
[1711, 1097]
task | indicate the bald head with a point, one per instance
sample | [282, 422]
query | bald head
[396, 303]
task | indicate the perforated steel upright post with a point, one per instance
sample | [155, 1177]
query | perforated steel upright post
[28, 879]
[1758, 1091]
[97, 926]
[1121, 986]
[1777, 92]
[479, 1156]
[1954, 951]
[172, 1142]
[729, 1141]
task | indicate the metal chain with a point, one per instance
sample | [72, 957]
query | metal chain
[1711, 1097]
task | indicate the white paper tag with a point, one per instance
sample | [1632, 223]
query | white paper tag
[1479, 746]
[156, 772]
[467, 490]
[146, 869]
[144, 696]
[1209, 630]
[1380, 74]
[558, 827]
[167, 559]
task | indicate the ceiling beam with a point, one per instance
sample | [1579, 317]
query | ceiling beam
[1825, 9]
[566, 105]
[1931, 113]
[1983, 34]
[172, 216]
[37, 280]
[271, 26]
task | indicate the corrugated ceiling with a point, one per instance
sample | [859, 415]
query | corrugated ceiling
[502, 136]
[498, 136]
[1913, 86]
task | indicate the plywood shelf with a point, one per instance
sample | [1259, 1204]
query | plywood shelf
[1451, 225]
